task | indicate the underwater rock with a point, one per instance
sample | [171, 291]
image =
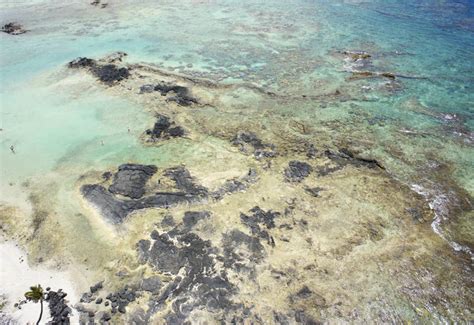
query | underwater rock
[58, 307]
[130, 180]
[297, 171]
[357, 55]
[260, 216]
[13, 29]
[370, 74]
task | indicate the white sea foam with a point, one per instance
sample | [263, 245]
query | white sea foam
[439, 202]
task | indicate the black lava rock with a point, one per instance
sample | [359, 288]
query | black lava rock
[96, 287]
[181, 97]
[58, 307]
[297, 171]
[110, 74]
[130, 180]
[13, 29]
[82, 63]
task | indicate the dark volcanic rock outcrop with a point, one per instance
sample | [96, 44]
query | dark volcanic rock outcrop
[130, 180]
[81, 62]
[181, 95]
[13, 29]
[164, 129]
[258, 221]
[120, 299]
[345, 157]
[110, 73]
[107, 73]
[236, 185]
[60, 312]
[297, 171]
[248, 142]
[184, 181]
[199, 283]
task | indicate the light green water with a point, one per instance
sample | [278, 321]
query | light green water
[64, 125]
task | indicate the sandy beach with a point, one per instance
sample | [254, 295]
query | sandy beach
[17, 276]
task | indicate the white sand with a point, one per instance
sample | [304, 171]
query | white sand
[16, 277]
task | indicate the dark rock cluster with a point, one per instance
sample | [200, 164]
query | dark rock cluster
[179, 94]
[297, 171]
[81, 63]
[164, 129]
[249, 143]
[98, 2]
[345, 157]
[59, 310]
[236, 185]
[131, 181]
[110, 73]
[13, 29]
[107, 73]
[258, 221]
[127, 192]
[201, 284]
[192, 274]
[120, 300]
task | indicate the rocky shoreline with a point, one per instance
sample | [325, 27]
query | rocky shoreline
[196, 274]
[273, 220]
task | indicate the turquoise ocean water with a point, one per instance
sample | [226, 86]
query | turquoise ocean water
[289, 46]
[421, 126]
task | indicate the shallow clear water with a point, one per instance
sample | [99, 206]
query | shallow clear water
[421, 127]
